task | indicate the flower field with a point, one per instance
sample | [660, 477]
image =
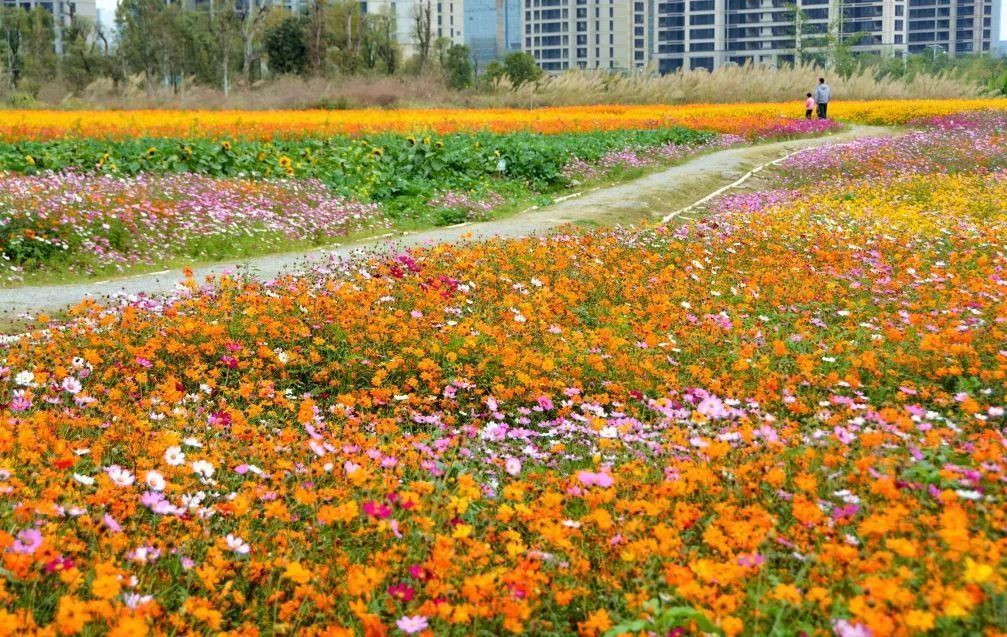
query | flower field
[787, 418]
[207, 197]
[85, 223]
[741, 119]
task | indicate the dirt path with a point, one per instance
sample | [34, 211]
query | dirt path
[646, 199]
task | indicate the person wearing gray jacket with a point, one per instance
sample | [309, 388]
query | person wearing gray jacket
[822, 96]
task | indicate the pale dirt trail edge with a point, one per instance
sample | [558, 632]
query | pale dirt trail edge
[648, 199]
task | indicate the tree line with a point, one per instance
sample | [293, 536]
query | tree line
[225, 42]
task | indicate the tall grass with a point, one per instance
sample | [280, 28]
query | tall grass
[725, 85]
[284, 92]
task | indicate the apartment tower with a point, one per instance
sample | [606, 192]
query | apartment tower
[588, 34]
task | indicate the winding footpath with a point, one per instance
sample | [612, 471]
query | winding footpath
[648, 199]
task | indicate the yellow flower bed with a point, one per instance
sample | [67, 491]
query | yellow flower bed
[734, 118]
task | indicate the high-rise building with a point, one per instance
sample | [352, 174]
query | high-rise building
[998, 38]
[446, 19]
[694, 34]
[62, 11]
[950, 27]
[587, 34]
[492, 28]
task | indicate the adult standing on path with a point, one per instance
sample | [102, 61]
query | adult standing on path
[822, 96]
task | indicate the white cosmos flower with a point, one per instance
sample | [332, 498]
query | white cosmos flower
[202, 468]
[156, 481]
[121, 477]
[25, 379]
[71, 385]
[174, 456]
[237, 544]
[83, 479]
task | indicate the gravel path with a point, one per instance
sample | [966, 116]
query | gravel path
[645, 199]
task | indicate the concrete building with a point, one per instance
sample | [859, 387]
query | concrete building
[492, 29]
[446, 19]
[588, 34]
[950, 27]
[62, 10]
[998, 39]
[693, 34]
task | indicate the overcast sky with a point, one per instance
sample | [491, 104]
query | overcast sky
[106, 11]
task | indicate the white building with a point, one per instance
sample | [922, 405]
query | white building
[588, 34]
[447, 19]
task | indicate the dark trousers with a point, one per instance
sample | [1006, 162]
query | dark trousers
[823, 111]
[807, 114]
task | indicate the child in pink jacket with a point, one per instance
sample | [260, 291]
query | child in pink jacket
[809, 106]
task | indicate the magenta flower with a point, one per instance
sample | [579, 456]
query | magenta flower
[380, 511]
[402, 592]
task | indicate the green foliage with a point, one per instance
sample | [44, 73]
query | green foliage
[458, 67]
[139, 23]
[402, 173]
[522, 68]
[494, 72]
[27, 43]
[285, 45]
[663, 620]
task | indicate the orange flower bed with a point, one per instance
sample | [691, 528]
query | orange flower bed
[788, 417]
[724, 118]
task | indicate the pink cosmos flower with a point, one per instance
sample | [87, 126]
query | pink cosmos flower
[411, 625]
[28, 541]
[844, 435]
[112, 525]
[590, 479]
[750, 560]
[21, 401]
[513, 466]
[843, 628]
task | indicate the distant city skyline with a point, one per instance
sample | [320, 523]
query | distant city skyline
[515, 10]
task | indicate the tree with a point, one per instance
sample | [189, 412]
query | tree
[521, 68]
[494, 72]
[251, 27]
[423, 34]
[318, 34]
[284, 44]
[82, 61]
[224, 26]
[138, 22]
[11, 22]
[441, 46]
[38, 41]
[378, 46]
[345, 26]
[458, 67]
